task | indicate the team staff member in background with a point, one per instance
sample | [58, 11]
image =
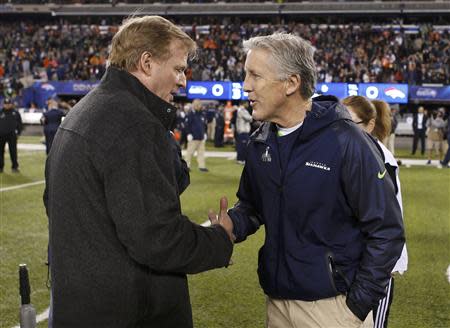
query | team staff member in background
[120, 246]
[374, 118]
[435, 135]
[220, 127]
[316, 182]
[243, 126]
[51, 120]
[196, 135]
[10, 129]
[419, 127]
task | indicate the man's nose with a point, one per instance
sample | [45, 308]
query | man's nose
[182, 81]
[246, 86]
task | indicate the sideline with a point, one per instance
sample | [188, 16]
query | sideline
[25, 185]
[230, 155]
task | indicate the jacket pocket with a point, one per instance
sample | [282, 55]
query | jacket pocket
[338, 279]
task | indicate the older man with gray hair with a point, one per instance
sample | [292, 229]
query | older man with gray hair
[330, 247]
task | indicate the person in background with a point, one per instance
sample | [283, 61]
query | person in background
[375, 119]
[10, 129]
[211, 121]
[333, 229]
[196, 135]
[243, 127]
[394, 123]
[446, 160]
[419, 127]
[435, 135]
[51, 120]
[220, 127]
[120, 247]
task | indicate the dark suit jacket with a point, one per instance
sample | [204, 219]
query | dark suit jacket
[415, 122]
[120, 247]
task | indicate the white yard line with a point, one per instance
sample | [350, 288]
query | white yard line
[25, 185]
[207, 223]
[41, 317]
[448, 273]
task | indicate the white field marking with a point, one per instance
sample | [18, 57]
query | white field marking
[41, 317]
[207, 223]
[448, 273]
[25, 185]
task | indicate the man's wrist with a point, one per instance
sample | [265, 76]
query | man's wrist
[356, 309]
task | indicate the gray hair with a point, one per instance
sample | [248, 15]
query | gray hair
[292, 55]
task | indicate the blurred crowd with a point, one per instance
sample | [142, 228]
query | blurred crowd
[344, 53]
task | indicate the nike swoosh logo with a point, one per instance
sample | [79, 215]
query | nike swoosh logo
[381, 174]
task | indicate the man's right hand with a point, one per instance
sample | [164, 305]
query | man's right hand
[223, 218]
[190, 137]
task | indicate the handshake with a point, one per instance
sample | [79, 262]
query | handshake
[223, 218]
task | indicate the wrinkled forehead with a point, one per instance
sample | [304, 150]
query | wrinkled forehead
[260, 60]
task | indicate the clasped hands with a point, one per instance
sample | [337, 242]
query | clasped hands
[223, 218]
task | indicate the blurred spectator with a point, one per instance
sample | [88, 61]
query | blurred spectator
[220, 127]
[243, 126]
[435, 135]
[394, 124]
[10, 129]
[419, 127]
[51, 120]
[211, 121]
[196, 135]
[446, 160]
[180, 127]
[59, 50]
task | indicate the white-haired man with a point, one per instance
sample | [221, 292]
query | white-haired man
[329, 247]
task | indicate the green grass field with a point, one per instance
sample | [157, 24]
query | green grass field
[232, 297]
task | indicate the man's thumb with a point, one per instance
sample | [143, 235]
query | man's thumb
[223, 205]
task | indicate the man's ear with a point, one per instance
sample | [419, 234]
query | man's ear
[293, 83]
[146, 63]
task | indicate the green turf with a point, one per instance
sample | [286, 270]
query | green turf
[31, 139]
[23, 236]
[232, 297]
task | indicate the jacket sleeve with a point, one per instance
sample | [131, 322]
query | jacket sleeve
[371, 196]
[246, 219]
[143, 202]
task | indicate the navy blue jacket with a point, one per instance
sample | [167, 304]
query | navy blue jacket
[196, 124]
[333, 225]
[52, 119]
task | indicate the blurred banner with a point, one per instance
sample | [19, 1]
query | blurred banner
[215, 90]
[332, 89]
[390, 93]
[427, 93]
[218, 90]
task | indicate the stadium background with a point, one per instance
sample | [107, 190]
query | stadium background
[60, 47]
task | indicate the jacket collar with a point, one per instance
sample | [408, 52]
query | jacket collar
[325, 110]
[164, 111]
[263, 133]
